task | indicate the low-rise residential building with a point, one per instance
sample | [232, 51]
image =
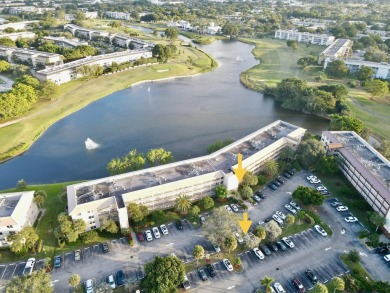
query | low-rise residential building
[366, 169]
[32, 57]
[377, 32]
[17, 210]
[29, 9]
[118, 15]
[381, 70]
[19, 25]
[68, 71]
[339, 49]
[213, 29]
[304, 37]
[158, 187]
[15, 36]
[180, 24]
[84, 32]
[64, 42]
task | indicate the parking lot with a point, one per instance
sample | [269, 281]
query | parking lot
[312, 251]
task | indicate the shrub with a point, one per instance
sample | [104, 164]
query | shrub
[90, 237]
[158, 215]
[354, 256]
[309, 219]
[39, 246]
[61, 243]
[244, 207]
[363, 234]
[261, 180]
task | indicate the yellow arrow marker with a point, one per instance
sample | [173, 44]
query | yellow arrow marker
[245, 223]
[239, 171]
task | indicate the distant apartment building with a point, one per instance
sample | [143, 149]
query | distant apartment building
[19, 25]
[381, 70]
[64, 42]
[339, 49]
[158, 187]
[180, 24]
[118, 15]
[377, 32]
[304, 37]
[32, 57]
[15, 36]
[29, 9]
[89, 34]
[366, 169]
[17, 210]
[67, 72]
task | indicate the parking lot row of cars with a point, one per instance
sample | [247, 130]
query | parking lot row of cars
[275, 184]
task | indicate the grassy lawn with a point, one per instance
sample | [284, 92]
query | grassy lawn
[277, 62]
[356, 268]
[18, 137]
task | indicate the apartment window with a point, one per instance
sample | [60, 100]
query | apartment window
[93, 227]
[1, 233]
[91, 217]
[10, 226]
[79, 214]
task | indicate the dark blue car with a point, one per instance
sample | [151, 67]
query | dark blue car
[120, 278]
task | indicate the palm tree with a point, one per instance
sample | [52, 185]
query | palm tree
[115, 166]
[267, 281]
[183, 204]
[271, 168]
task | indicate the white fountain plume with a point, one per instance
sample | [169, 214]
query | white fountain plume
[90, 144]
[148, 89]
[239, 59]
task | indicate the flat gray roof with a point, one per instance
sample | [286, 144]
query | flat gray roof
[8, 204]
[186, 169]
[335, 46]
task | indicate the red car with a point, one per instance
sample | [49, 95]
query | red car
[298, 285]
[140, 237]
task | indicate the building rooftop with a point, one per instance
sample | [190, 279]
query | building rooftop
[305, 33]
[370, 163]
[336, 46]
[222, 160]
[367, 63]
[8, 202]
[28, 51]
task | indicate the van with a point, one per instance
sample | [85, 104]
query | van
[28, 269]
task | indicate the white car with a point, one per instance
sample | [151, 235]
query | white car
[288, 242]
[164, 229]
[29, 267]
[156, 232]
[280, 215]
[277, 219]
[234, 207]
[311, 177]
[228, 208]
[148, 235]
[228, 265]
[89, 286]
[258, 253]
[279, 288]
[216, 248]
[240, 240]
[320, 230]
[256, 198]
[342, 209]
[321, 188]
[387, 257]
[336, 204]
[186, 283]
[290, 209]
[315, 181]
[295, 205]
[351, 219]
[111, 281]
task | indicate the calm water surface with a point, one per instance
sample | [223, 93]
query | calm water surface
[183, 116]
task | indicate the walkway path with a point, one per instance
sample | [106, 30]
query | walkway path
[7, 85]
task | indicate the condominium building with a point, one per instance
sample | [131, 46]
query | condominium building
[304, 37]
[68, 71]
[118, 15]
[15, 36]
[381, 70]
[17, 210]
[19, 25]
[158, 187]
[32, 57]
[339, 49]
[366, 169]
[29, 9]
[64, 42]
[84, 32]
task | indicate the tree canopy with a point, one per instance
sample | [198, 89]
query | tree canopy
[309, 152]
[364, 73]
[219, 144]
[337, 69]
[38, 281]
[345, 123]
[308, 196]
[159, 157]
[24, 240]
[171, 33]
[137, 212]
[377, 88]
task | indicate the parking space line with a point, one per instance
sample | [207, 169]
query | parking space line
[5, 270]
[14, 271]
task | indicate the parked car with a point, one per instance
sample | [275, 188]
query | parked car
[281, 246]
[265, 249]
[210, 270]
[228, 208]
[288, 242]
[311, 177]
[29, 267]
[290, 209]
[186, 283]
[382, 250]
[311, 276]
[202, 274]
[104, 247]
[273, 247]
[279, 288]
[240, 240]
[315, 181]
[272, 186]
[387, 257]
[234, 208]
[202, 219]
[295, 205]
[258, 253]
[277, 219]
[140, 237]
[156, 233]
[280, 179]
[280, 215]
[342, 209]
[261, 195]
[216, 248]
[57, 261]
[164, 229]
[228, 265]
[148, 235]
[278, 184]
[298, 286]
[336, 204]
[179, 225]
[110, 281]
[351, 219]
[291, 172]
[321, 187]
[120, 278]
[256, 198]
[320, 230]
[89, 286]
[324, 192]
[77, 255]
[286, 175]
